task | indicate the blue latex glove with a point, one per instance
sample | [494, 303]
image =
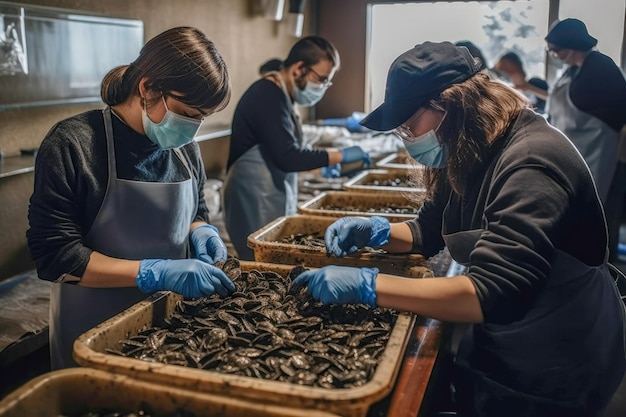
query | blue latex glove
[191, 278]
[207, 244]
[341, 284]
[354, 154]
[333, 171]
[349, 234]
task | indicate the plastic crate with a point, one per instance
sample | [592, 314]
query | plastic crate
[267, 246]
[90, 351]
[348, 203]
[77, 391]
[364, 182]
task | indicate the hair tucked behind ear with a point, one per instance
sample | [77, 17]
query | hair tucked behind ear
[478, 111]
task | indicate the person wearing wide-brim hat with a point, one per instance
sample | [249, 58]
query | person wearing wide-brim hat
[588, 102]
[513, 201]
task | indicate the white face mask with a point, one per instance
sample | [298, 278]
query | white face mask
[310, 95]
[173, 131]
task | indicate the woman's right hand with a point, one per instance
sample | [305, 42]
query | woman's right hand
[349, 234]
[191, 278]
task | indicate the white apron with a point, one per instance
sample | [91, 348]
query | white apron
[137, 220]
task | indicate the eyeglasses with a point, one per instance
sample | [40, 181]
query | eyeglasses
[554, 50]
[404, 132]
[323, 81]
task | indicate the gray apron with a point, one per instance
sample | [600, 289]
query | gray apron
[257, 192]
[137, 220]
[517, 369]
[594, 139]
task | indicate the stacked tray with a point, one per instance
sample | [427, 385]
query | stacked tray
[79, 391]
[92, 350]
[395, 207]
[272, 244]
[390, 180]
[395, 160]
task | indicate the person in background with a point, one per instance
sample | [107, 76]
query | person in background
[513, 201]
[266, 149]
[117, 210]
[588, 102]
[475, 51]
[511, 70]
[270, 65]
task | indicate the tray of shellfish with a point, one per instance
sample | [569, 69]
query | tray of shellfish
[395, 207]
[268, 342]
[388, 180]
[94, 393]
[400, 159]
[299, 239]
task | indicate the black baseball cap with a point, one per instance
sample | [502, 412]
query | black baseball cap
[418, 75]
[571, 34]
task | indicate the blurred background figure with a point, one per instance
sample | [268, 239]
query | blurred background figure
[588, 102]
[474, 51]
[510, 69]
[273, 64]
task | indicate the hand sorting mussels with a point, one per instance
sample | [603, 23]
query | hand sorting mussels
[268, 329]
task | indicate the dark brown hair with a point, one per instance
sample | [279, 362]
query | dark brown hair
[181, 60]
[311, 50]
[478, 111]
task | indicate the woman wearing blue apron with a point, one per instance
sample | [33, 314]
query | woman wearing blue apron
[513, 201]
[266, 149]
[118, 207]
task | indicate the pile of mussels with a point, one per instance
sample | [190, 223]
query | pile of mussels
[269, 329]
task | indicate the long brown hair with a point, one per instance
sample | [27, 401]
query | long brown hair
[181, 60]
[477, 112]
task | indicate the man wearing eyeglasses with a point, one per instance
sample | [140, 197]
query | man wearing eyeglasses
[266, 149]
[588, 102]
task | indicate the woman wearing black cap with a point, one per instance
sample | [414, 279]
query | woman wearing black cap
[588, 102]
[513, 201]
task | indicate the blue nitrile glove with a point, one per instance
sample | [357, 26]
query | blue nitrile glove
[191, 278]
[333, 171]
[341, 284]
[354, 154]
[208, 245]
[349, 234]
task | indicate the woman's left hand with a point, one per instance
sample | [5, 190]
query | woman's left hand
[207, 244]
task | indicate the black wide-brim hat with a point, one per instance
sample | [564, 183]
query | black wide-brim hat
[571, 34]
[417, 76]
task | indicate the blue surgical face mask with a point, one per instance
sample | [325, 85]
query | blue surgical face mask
[427, 150]
[173, 131]
[310, 95]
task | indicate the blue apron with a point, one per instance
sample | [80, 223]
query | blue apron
[257, 192]
[567, 353]
[137, 220]
[594, 139]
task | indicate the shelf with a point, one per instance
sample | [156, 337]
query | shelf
[19, 164]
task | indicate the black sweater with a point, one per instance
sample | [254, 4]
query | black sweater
[70, 182]
[263, 117]
[540, 198]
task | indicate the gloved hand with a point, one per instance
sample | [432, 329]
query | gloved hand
[349, 234]
[341, 284]
[191, 278]
[354, 154]
[333, 171]
[207, 244]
